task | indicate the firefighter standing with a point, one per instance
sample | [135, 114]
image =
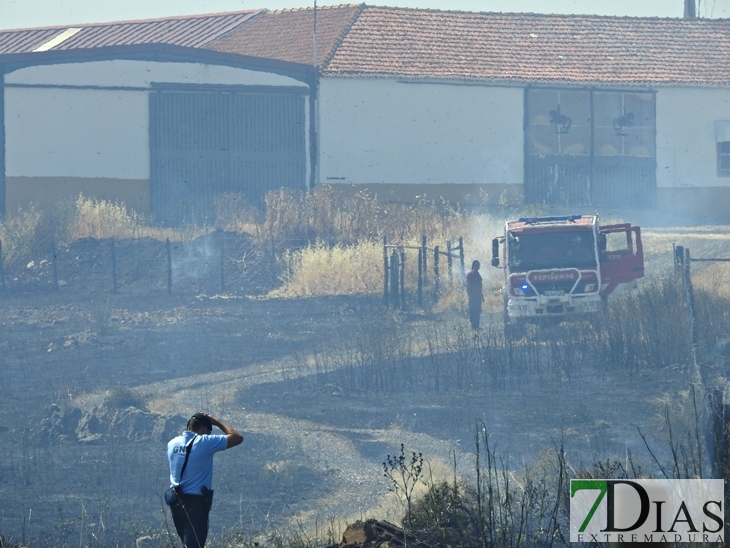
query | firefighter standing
[474, 294]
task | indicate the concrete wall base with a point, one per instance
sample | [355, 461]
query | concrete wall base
[466, 194]
[42, 192]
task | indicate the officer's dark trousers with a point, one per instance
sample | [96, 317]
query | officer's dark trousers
[475, 313]
[191, 520]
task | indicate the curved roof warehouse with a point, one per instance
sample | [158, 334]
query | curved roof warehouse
[169, 114]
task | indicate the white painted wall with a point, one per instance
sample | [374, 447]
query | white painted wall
[142, 73]
[83, 132]
[382, 131]
[76, 133]
[686, 145]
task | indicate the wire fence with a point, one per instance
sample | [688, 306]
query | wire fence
[219, 262]
[395, 288]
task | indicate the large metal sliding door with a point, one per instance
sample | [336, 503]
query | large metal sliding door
[590, 147]
[204, 144]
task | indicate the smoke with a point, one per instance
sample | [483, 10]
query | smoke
[478, 245]
[195, 262]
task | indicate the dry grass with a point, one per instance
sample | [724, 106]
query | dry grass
[332, 216]
[319, 269]
[330, 242]
[18, 235]
[32, 231]
[101, 219]
[714, 278]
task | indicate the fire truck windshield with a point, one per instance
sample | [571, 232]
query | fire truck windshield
[533, 250]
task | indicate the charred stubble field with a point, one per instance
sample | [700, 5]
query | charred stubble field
[78, 469]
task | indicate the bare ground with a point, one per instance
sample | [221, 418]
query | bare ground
[312, 451]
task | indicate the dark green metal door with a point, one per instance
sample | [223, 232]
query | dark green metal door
[205, 144]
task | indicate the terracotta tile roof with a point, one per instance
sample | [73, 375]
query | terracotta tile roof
[360, 40]
[191, 31]
[287, 34]
[409, 43]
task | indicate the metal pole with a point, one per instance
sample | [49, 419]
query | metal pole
[402, 265]
[223, 255]
[169, 265]
[690, 297]
[394, 271]
[113, 248]
[436, 271]
[718, 449]
[425, 258]
[385, 270]
[679, 259]
[461, 258]
[449, 261]
[314, 36]
[55, 265]
[2, 267]
[420, 277]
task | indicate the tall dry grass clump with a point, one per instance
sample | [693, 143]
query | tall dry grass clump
[354, 269]
[103, 219]
[33, 232]
[233, 213]
[333, 216]
[333, 241]
[715, 279]
[18, 234]
[320, 269]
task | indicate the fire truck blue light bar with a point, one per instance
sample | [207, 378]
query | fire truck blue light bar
[534, 220]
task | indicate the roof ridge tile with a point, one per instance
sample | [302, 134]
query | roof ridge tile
[139, 21]
[319, 8]
[343, 34]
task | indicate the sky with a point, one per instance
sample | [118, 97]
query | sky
[37, 13]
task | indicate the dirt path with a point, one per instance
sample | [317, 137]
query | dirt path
[312, 449]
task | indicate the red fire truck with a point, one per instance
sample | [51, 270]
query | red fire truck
[563, 266]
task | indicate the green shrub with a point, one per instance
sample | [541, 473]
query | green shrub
[446, 515]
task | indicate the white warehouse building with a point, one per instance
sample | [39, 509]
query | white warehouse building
[168, 115]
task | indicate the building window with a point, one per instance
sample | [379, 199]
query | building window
[579, 122]
[723, 159]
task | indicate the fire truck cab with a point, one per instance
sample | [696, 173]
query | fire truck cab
[566, 265]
